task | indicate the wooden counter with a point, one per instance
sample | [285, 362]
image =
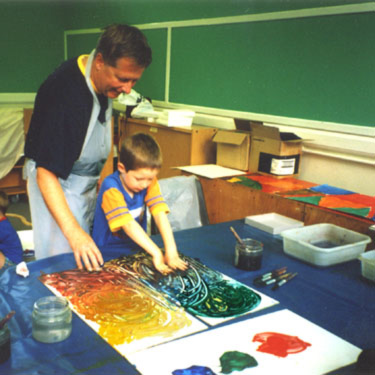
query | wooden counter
[226, 201]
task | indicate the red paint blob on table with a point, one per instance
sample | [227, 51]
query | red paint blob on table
[279, 344]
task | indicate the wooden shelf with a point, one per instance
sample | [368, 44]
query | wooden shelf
[226, 201]
[13, 183]
[180, 146]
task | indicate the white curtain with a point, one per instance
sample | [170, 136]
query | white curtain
[12, 138]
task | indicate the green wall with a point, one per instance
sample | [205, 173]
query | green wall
[31, 43]
[318, 68]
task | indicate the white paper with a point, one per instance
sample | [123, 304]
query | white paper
[211, 170]
[326, 352]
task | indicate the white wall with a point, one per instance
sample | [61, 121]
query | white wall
[335, 154]
[339, 155]
[345, 174]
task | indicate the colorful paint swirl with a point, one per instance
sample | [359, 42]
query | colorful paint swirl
[124, 308]
[130, 300]
[199, 289]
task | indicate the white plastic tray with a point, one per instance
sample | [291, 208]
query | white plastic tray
[272, 222]
[368, 264]
[324, 244]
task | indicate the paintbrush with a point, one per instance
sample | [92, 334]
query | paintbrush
[237, 236]
[283, 281]
[6, 319]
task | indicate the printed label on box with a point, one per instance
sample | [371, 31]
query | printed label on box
[278, 165]
[283, 166]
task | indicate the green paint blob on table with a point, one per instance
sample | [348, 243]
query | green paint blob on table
[236, 361]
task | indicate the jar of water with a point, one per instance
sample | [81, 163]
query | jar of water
[51, 319]
[4, 344]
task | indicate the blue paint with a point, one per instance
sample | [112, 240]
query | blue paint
[330, 190]
[194, 370]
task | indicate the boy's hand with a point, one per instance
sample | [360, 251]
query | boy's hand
[175, 262]
[160, 265]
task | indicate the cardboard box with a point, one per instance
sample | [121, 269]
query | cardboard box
[274, 152]
[233, 149]
[271, 151]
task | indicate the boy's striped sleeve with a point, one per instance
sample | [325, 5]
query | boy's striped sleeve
[115, 209]
[154, 199]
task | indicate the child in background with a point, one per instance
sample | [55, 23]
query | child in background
[11, 251]
[120, 214]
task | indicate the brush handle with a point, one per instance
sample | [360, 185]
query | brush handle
[6, 319]
[237, 236]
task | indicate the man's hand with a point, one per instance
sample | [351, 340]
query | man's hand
[85, 250]
[82, 244]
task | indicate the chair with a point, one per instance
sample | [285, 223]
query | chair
[27, 239]
[184, 196]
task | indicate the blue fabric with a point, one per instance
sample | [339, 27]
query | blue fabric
[7, 264]
[330, 190]
[336, 298]
[10, 243]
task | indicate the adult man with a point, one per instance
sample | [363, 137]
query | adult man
[69, 140]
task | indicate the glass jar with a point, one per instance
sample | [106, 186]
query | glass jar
[248, 256]
[4, 344]
[51, 319]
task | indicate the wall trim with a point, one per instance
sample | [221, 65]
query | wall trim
[257, 17]
[24, 100]
[325, 126]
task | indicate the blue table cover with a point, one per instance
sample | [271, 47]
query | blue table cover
[336, 298]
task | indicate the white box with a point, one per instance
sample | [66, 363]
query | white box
[176, 117]
[368, 264]
[324, 244]
[272, 222]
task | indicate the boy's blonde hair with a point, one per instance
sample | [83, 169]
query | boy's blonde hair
[140, 150]
[4, 202]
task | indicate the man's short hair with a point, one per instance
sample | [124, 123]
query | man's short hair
[119, 41]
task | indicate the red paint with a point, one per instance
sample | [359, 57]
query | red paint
[279, 344]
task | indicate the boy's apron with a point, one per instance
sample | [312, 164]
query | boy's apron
[79, 188]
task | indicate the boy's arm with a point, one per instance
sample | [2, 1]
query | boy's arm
[141, 238]
[171, 255]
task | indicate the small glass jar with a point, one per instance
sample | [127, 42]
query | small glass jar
[51, 319]
[4, 344]
[248, 256]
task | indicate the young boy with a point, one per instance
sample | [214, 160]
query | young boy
[120, 214]
[11, 251]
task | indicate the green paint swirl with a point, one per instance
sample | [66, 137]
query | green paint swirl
[236, 361]
[200, 290]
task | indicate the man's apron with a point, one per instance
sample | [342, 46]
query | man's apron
[79, 188]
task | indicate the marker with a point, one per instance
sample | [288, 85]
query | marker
[272, 280]
[276, 279]
[284, 281]
[269, 275]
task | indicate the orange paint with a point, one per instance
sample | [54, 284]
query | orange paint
[279, 344]
[123, 312]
